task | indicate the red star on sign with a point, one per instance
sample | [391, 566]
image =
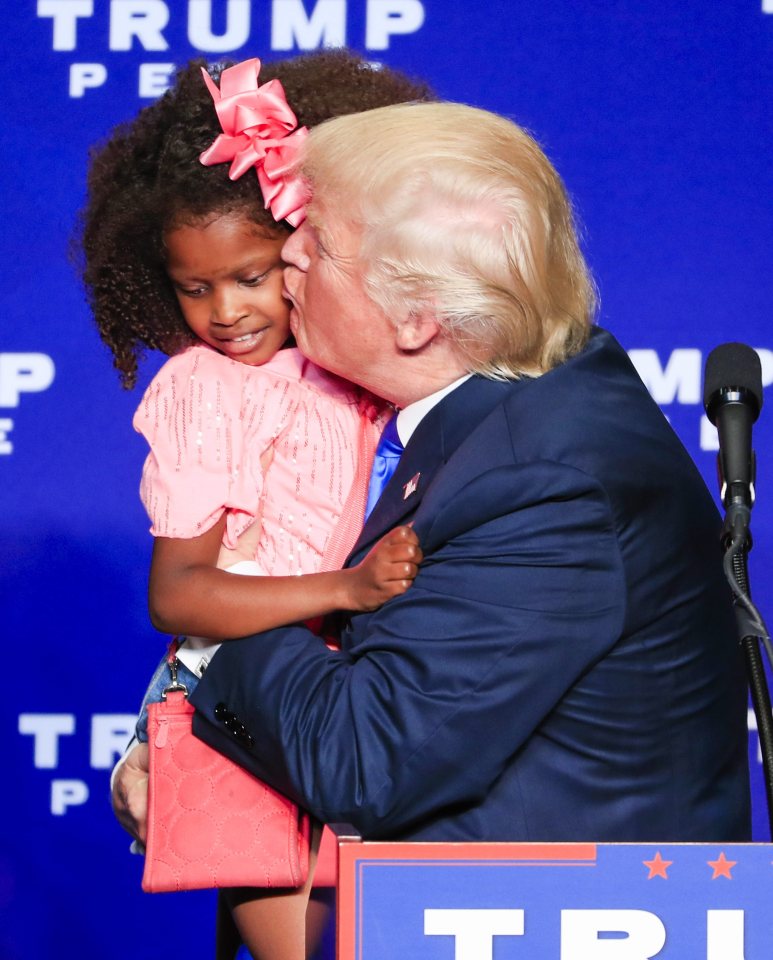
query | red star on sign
[657, 867]
[721, 866]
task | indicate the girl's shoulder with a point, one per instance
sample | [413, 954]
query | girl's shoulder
[291, 366]
[325, 384]
[200, 359]
[205, 376]
[200, 362]
[289, 369]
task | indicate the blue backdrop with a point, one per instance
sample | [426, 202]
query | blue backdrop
[657, 116]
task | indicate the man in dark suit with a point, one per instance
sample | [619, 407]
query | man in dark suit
[564, 666]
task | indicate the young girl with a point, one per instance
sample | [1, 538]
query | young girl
[259, 460]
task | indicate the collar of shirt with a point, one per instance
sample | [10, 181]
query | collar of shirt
[411, 416]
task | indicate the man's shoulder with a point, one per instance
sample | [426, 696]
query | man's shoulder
[598, 385]
[591, 413]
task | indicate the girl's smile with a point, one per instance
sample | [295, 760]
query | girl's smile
[227, 275]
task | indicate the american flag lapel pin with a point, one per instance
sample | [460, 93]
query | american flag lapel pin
[411, 486]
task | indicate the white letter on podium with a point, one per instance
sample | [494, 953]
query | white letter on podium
[643, 935]
[473, 930]
[724, 935]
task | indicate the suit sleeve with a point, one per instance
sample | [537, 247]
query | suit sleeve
[520, 592]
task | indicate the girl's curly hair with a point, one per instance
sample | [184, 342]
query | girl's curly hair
[147, 178]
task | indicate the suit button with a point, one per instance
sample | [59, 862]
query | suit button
[221, 711]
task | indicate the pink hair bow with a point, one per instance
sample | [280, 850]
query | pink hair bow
[261, 131]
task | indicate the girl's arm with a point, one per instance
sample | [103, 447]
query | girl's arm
[189, 594]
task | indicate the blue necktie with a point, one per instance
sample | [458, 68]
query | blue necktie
[388, 453]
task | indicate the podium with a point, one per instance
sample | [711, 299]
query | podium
[561, 901]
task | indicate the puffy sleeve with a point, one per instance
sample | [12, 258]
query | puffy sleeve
[207, 420]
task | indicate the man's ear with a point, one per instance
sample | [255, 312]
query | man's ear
[416, 331]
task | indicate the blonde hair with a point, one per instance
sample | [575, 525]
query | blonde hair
[462, 216]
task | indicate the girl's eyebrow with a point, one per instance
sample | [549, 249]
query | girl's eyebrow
[261, 263]
[257, 262]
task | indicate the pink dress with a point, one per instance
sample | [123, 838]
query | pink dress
[284, 449]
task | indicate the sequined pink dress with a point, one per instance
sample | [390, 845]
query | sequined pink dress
[284, 445]
[284, 449]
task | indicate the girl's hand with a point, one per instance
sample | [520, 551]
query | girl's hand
[386, 572]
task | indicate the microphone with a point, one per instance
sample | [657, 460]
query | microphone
[732, 397]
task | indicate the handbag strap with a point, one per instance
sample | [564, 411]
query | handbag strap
[171, 659]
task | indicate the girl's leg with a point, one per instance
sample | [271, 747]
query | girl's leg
[320, 914]
[227, 938]
[272, 923]
[280, 924]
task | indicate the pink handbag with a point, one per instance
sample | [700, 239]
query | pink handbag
[210, 823]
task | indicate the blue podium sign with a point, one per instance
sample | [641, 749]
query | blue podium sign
[520, 901]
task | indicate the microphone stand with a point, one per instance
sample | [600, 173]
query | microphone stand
[751, 629]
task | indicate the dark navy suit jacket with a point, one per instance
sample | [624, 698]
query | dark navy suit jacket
[565, 665]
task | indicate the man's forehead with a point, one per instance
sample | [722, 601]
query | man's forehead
[336, 233]
[315, 218]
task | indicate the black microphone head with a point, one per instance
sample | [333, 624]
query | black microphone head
[732, 368]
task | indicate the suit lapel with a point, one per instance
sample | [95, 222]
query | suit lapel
[435, 439]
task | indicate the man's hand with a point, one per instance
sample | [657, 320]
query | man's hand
[130, 792]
